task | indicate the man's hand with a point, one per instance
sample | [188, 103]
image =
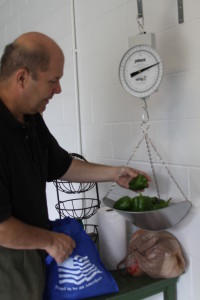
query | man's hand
[126, 174]
[61, 246]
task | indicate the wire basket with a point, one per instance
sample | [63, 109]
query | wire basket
[79, 208]
[92, 231]
[71, 187]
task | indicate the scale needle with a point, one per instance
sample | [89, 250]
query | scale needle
[142, 70]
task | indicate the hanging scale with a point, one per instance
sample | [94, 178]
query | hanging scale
[140, 74]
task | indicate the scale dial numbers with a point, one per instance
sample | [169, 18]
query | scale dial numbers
[140, 71]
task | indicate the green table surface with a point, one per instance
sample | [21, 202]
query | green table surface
[135, 288]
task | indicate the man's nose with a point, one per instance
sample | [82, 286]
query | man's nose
[57, 89]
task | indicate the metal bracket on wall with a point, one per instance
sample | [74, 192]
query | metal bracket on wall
[180, 10]
[140, 9]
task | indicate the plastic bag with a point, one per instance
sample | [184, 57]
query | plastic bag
[156, 254]
[82, 275]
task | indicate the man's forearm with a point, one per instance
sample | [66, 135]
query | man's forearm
[18, 235]
[81, 171]
[15, 234]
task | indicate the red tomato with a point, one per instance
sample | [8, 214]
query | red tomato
[134, 269]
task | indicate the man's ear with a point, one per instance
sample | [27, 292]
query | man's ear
[22, 77]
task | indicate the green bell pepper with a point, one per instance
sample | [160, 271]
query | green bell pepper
[138, 183]
[141, 203]
[159, 203]
[123, 203]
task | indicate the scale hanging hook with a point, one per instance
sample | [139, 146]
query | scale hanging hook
[145, 116]
[140, 21]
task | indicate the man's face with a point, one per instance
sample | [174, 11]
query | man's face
[40, 91]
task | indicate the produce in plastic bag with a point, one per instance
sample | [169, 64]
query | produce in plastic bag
[156, 254]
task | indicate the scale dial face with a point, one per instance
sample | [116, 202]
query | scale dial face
[140, 71]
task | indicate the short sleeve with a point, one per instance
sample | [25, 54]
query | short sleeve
[58, 159]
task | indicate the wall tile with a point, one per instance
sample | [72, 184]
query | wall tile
[29, 20]
[104, 64]
[67, 81]
[12, 29]
[55, 105]
[47, 6]
[113, 104]
[195, 264]
[69, 109]
[2, 2]
[191, 10]
[32, 16]
[179, 47]
[66, 44]
[194, 178]
[2, 37]
[52, 201]
[174, 184]
[186, 232]
[62, 18]
[86, 107]
[155, 297]
[178, 142]
[18, 6]
[67, 137]
[105, 52]
[121, 140]
[185, 286]
[96, 140]
[89, 10]
[169, 102]
[5, 10]
[104, 34]
[166, 15]
[192, 94]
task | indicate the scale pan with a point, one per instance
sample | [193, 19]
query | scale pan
[155, 219]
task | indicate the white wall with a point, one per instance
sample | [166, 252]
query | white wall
[110, 118]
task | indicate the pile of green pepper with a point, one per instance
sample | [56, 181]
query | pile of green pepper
[140, 203]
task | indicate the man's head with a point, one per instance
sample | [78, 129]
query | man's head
[16, 56]
[31, 66]
[30, 51]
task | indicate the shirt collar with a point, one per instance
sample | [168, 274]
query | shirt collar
[7, 117]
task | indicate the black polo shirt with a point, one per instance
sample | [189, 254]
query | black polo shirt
[29, 157]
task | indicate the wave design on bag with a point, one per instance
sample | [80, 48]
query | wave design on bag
[77, 270]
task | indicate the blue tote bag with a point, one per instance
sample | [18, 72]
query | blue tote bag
[83, 274]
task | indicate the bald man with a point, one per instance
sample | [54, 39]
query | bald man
[30, 71]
